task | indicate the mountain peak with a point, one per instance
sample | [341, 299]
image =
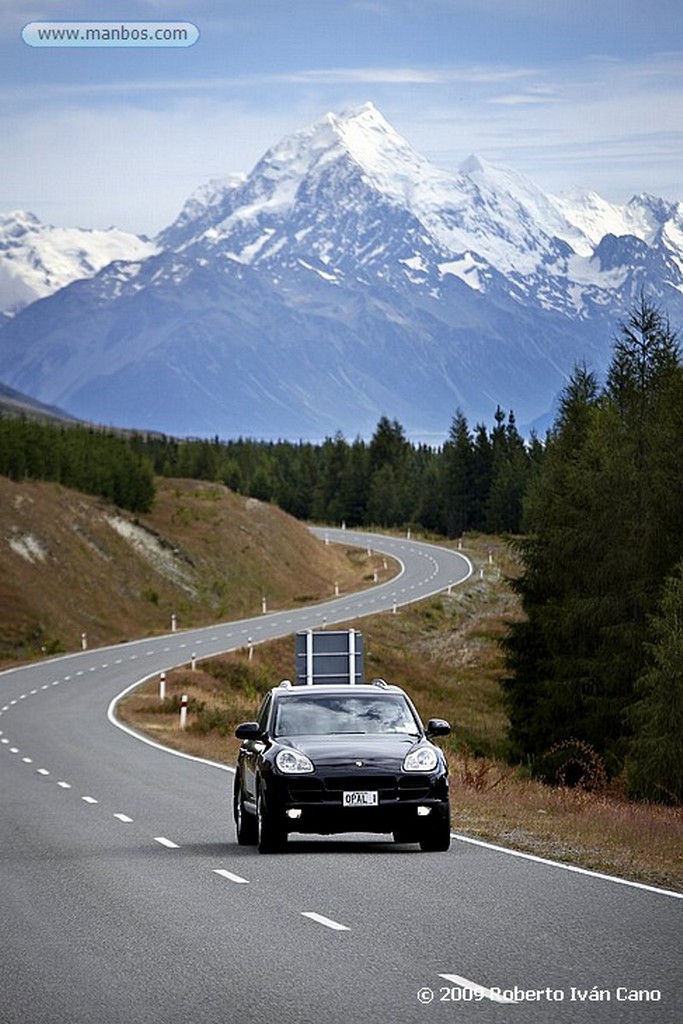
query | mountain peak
[366, 112]
[365, 118]
[360, 133]
[473, 165]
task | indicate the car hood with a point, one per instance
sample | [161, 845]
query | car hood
[341, 749]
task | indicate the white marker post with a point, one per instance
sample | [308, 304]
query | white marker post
[162, 686]
[84, 641]
[183, 711]
[174, 622]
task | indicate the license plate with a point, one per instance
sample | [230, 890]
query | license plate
[360, 798]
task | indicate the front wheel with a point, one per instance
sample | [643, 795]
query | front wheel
[246, 825]
[271, 837]
[436, 837]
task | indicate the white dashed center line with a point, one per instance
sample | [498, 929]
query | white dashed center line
[166, 842]
[229, 875]
[486, 993]
[328, 922]
[124, 818]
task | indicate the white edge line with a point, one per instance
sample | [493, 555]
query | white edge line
[111, 715]
[328, 922]
[568, 867]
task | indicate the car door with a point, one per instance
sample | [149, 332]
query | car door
[250, 752]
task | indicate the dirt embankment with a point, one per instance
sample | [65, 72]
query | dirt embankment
[73, 565]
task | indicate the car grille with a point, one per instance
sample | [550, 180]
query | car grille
[389, 787]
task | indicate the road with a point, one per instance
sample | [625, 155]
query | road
[125, 899]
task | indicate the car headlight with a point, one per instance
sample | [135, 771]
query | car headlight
[423, 759]
[291, 762]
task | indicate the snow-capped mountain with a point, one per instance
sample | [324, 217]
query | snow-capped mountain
[37, 259]
[344, 278]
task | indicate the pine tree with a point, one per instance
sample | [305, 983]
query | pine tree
[655, 763]
[458, 482]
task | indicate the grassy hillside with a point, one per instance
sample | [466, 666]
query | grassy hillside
[71, 564]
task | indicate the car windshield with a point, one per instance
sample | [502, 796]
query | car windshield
[318, 715]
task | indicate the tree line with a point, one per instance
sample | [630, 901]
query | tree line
[598, 657]
[86, 459]
[474, 481]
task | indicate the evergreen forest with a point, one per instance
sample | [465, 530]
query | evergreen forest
[598, 658]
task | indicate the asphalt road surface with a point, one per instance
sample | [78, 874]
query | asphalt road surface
[126, 900]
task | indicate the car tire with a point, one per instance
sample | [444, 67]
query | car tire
[270, 837]
[436, 837]
[246, 825]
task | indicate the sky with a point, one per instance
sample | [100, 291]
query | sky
[572, 93]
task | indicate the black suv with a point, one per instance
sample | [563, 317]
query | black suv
[341, 758]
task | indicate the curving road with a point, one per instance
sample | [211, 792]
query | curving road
[125, 899]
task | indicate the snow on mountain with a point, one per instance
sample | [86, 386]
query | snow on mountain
[644, 216]
[345, 278]
[489, 226]
[346, 160]
[37, 259]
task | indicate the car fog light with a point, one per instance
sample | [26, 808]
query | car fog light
[422, 812]
[294, 812]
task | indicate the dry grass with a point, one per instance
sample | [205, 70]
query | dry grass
[71, 564]
[601, 831]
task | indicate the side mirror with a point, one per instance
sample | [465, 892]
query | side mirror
[438, 727]
[248, 731]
